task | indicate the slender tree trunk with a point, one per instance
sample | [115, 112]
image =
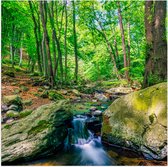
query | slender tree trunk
[12, 46]
[129, 45]
[58, 36]
[21, 56]
[65, 43]
[36, 36]
[45, 61]
[51, 17]
[123, 40]
[57, 43]
[75, 43]
[47, 41]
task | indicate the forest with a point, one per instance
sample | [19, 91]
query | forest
[77, 78]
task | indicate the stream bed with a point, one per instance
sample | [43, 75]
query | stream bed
[84, 147]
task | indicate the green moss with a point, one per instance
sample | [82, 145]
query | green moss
[42, 125]
[12, 114]
[7, 126]
[27, 102]
[53, 95]
[25, 113]
[24, 88]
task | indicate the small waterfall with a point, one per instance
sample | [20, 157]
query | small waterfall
[88, 147]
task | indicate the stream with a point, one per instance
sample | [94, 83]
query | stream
[84, 147]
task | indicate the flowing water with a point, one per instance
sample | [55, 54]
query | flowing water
[82, 147]
[88, 145]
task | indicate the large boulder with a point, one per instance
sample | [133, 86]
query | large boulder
[36, 135]
[139, 121]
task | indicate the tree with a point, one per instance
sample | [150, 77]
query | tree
[65, 39]
[75, 43]
[123, 41]
[156, 56]
[36, 36]
[43, 13]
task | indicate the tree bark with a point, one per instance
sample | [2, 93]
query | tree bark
[129, 45]
[51, 76]
[156, 49]
[123, 41]
[75, 43]
[65, 42]
[36, 36]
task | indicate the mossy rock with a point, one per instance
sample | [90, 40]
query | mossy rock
[41, 133]
[54, 95]
[28, 102]
[130, 118]
[12, 114]
[25, 113]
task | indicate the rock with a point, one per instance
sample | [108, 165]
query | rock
[122, 90]
[12, 99]
[101, 97]
[76, 92]
[14, 107]
[37, 135]
[94, 124]
[4, 108]
[138, 120]
[12, 114]
[97, 113]
[64, 92]
[27, 102]
[8, 121]
[114, 97]
[46, 87]
[93, 108]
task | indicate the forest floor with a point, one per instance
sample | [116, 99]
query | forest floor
[33, 88]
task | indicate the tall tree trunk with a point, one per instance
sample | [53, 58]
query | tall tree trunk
[12, 45]
[58, 34]
[51, 17]
[47, 41]
[123, 40]
[55, 37]
[65, 43]
[129, 45]
[45, 60]
[156, 49]
[75, 43]
[36, 36]
[21, 56]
